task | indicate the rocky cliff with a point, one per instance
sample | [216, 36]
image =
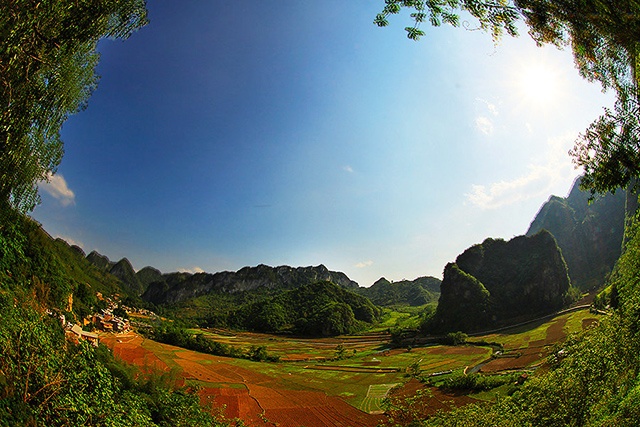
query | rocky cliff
[173, 289]
[499, 282]
[588, 233]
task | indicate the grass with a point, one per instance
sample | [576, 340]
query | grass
[519, 337]
[574, 320]
[372, 403]
[493, 394]
[404, 317]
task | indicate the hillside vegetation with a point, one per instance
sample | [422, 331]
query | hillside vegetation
[499, 282]
[420, 291]
[319, 309]
[46, 379]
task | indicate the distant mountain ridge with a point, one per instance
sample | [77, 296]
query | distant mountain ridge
[172, 289]
[588, 233]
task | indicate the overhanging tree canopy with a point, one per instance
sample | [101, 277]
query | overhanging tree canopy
[47, 60]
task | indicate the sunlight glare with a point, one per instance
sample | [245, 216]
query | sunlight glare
[538, 84]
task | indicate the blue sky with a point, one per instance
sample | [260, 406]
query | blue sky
[227, 134]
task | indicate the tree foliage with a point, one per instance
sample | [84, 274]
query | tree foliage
[494, 16]
[318, 309]
[46, 380]
[47, 60]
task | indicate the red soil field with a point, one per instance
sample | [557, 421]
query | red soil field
[555, 332]
[235, 403]
[433, 400]
[128, 348]
[253, 402]
[308, 408]
[588, 323]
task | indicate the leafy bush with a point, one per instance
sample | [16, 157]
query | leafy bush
[47, 381]
[454, 338]
[477, 382]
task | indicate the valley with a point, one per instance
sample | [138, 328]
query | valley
[342, 380]
[242, 160]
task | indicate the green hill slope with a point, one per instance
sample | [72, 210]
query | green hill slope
[420, 291]
[55, 273]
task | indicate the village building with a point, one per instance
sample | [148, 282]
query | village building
[77, 332]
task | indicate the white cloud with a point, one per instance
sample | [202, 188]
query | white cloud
[484, 125]
[57, 187]
[529, 128]
[192, 270]
[538, 181]
[70, 241]
[347, 168]
[491, 107]
[364, 264]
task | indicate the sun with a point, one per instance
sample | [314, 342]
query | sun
[537, 84]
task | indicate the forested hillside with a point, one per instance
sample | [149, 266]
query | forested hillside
[420, 291]
[319, 309]
[498, 282]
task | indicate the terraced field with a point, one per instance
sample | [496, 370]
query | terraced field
[310, 387]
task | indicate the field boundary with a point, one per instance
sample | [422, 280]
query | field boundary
[362, 369]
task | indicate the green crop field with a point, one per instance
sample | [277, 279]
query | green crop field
[368, 367]
[372, 402]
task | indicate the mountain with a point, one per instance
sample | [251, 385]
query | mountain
[148, 275]
[122, 269]
[498, 282]
[183, 286]
[100, 261]
[588, 233]
[420, 291]
[316, 309]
